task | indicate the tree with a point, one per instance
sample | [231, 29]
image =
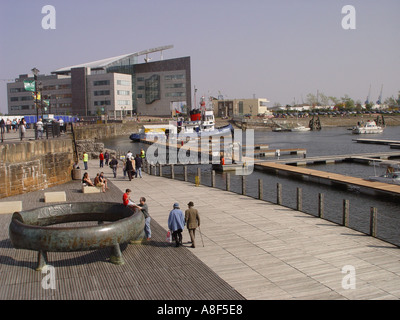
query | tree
[311, 100]
[348, 102]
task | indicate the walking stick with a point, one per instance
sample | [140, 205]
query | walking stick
[201, 236]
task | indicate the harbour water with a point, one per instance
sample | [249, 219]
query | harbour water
[328, 141]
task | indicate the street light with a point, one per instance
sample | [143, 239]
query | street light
[35, 72]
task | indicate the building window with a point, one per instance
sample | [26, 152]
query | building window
[175, 94]
[139, 79]
[102, 103]
[16, 90]
[152, 90]
[123, 93]
[101, 83]
[175, 77]
[123, 102]
[102, 93]
[123, 83]
[175, 85]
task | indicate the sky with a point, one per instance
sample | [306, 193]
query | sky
[281, 50]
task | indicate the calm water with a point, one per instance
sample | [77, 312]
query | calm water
[328, 141]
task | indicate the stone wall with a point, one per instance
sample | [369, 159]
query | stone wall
[34, 165]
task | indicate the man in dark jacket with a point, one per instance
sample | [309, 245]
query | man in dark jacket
[192, 220]
[138, 166]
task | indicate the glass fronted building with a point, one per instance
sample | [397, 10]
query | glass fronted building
[115, 86]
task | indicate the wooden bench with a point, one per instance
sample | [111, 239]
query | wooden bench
[89, 189]
[50, 197]
[10, 207]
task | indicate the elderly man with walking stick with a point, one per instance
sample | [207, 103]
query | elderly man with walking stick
[192, 220]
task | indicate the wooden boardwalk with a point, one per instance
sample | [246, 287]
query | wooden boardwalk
[333, 178]
[252, 249]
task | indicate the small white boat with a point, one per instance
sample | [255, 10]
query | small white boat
[392, 174]
[367, 127]
[300, 129]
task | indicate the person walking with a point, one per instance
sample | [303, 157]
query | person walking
[106, 157]
[143, 206]
[192, 220]
[101, 157]
[39, 129]
[2, 128]
[129, 168]
[138, 166]
[176, 223]
[85, 160]
[114, 166]
[22, 128]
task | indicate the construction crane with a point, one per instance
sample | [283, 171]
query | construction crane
[369, 93]
[379, 102]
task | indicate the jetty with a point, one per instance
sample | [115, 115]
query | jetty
[366, 158]
[253, 250]
[329, 178]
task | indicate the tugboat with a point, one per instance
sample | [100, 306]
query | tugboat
[202, 123]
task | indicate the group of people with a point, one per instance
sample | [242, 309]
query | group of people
[177, 221]
[127, 201]
[8, 125]
[100, 181]
[132, 166]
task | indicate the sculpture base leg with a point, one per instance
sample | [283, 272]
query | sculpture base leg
[139, 239]
[41, 260]
[116, 255]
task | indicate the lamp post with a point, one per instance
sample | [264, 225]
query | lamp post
[35, 72]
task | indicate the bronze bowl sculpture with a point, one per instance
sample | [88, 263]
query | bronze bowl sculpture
[35, 230]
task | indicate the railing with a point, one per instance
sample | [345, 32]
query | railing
[344, 221]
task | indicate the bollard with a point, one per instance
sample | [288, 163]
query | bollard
[299, 199]
[228, 182]
[279, 194]
[185, 176]
[172, 171]
[321, 205]
[160, 166]
[244, 185]
[213, 178]
[260, 189]
[197, 180]
[346, 206]
[373, 222]
[199, 174]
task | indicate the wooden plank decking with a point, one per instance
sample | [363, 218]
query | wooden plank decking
[332, 177]
[252, 249]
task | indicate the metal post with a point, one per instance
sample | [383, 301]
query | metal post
[199, 175]
[321, 205]
[373, 222]
[260, 189]
[279, 194]
[185, 176]
[243, 185]
[213, 178]
[228, 182]
[172, 171]
[346, 206]
[299, 199]
[160, 165]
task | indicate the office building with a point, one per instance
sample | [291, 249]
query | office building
[115, 87]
